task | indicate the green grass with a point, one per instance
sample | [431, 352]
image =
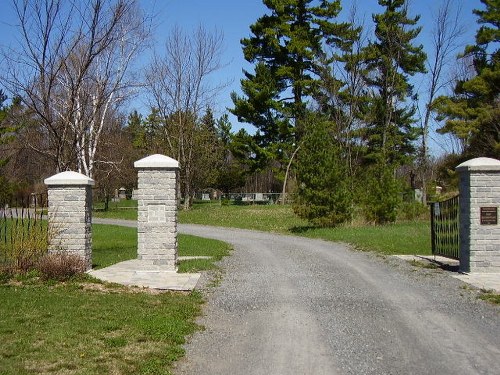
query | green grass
[113, 244]
[412, 237]
[88, 328]
[409, 237]
[270, 218]
[197, 246]
[490, 296]
[400, 238]
[124, 209]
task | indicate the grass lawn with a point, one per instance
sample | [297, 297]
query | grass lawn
[401, 238]
[411, 237]
[84, 326]
[123, 209]
[270, 218]
[113, 244]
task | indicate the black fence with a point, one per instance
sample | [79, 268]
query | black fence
[445, 226]
[23, 228]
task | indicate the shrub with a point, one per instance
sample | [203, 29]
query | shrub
[27, 242]
[380, 195]
[60, 266]
[323, 195]
[412, 211]
[6, 274]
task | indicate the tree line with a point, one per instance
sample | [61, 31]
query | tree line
[338, 121]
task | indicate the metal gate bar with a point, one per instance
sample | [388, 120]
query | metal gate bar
[445, 225]
[20, 217]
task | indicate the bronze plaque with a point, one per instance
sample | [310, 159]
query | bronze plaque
[489, 216]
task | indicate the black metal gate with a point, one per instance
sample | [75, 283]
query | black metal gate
[445, 228]
[23, 230]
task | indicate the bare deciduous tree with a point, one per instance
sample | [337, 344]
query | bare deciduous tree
[446, 36]
[72, 67]
[180, 90]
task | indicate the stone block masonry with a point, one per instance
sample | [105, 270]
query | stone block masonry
[479, 224]
[157, 210]
[70, 214]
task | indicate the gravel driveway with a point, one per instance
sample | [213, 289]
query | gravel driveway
[291, 305]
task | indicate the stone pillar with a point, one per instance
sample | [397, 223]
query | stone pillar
[157, 210]
[479, 205]
[70, 214]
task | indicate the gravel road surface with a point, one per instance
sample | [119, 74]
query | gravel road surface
[291, 305]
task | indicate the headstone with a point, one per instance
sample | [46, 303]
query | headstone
[122, 193]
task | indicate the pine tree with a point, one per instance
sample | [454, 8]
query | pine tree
[391, 59]
[323, 195]
[472, 113]
[285, 46]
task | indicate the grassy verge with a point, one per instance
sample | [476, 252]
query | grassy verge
[124, 209]
[490, 296]
[112, 244]
[196, 246]
[402, 238]
[270, 218]
[86, 327]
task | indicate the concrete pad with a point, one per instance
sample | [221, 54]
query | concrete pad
[488, 281]
[431, 259]
[145, 274]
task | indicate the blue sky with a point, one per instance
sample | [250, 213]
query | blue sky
[233, 18]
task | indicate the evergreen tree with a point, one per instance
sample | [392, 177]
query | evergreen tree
[323, 194]
[209, 155]
[136, 130]
[8, 129]
[233, 172]
[285, 46]
[472, 113]
[390, 60]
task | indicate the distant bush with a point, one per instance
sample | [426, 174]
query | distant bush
[413, 211]
[380, 195]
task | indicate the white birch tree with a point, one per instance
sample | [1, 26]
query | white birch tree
[72, 68]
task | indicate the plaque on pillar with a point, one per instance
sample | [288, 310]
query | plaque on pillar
[489, 215]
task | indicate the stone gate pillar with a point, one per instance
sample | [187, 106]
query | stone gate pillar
[479, 205]
[157, 210]
[70, 214]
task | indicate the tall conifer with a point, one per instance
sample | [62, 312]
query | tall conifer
[472, 113]
[285, 46]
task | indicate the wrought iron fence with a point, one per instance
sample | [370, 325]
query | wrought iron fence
[23, 230]
[445, 228]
